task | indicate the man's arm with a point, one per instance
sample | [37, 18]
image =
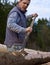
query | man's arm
[29, 17]
[11, 23]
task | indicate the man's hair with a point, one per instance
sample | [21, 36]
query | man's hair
[21, 0]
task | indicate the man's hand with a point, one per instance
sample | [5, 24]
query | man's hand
[34, 15]
[29, 29]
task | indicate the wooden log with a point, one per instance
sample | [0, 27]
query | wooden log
[3, 48]
[28, 57]
[17, 58]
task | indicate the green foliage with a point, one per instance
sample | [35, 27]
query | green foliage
[43, 38]
[4, 9]
[40, 37]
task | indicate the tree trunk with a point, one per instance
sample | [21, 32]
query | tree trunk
[26, 57]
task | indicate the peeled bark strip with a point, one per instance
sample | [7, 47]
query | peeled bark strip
[29, 57]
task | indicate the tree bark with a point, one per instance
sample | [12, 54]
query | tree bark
[26, 57]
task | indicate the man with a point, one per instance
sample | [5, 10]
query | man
[16, 25]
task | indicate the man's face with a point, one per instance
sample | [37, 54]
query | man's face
[24, 4]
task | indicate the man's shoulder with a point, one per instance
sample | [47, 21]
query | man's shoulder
[14, 9]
